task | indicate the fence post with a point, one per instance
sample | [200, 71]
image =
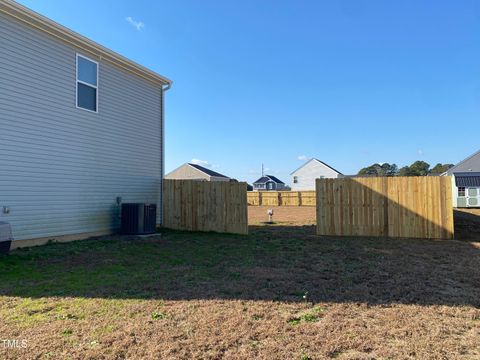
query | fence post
[299, 198]
[260, 198]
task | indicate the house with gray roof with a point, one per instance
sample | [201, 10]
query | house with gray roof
[268, 183]
[466, 181]
[304, 177]
[190, 171]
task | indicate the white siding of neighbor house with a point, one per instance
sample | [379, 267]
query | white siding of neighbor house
[454, 192]
[61, 168]
[307, 174]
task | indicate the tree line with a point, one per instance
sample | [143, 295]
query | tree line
[418, 168]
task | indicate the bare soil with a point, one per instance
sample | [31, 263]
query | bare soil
[279, 293]
[285, 215]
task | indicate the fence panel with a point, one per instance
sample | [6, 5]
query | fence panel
[417, 207]
[281, 198]
[205, 206]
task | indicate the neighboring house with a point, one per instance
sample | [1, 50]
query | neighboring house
[304, 177]
[268, 183]
[190, 171]
[81, 130]
[466, 181]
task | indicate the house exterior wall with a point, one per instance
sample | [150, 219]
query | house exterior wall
[62, 168]
[307, 174]
[454, 192]
[471, 197]
[265, 186]
[187, 172]
[259, 187]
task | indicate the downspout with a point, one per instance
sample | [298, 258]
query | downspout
[162, 147]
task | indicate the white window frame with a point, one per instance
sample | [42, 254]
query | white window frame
[86, 84]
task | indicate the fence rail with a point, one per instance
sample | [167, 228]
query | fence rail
[205, 206]
[417, 207]
[281, 198]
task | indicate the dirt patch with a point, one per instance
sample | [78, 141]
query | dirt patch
[284, 215]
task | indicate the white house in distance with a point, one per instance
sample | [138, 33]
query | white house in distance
[304, 177]
[191, 171]
[466, 181]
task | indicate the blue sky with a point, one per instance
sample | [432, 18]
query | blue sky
[276, 82]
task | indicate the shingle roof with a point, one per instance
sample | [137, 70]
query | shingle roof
[277, 180]
[207, 171]
[470, 164]
[467, 181]
[267, 178]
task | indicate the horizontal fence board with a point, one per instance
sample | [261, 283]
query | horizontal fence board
[415, 207]
[281, 198]
[205, 206]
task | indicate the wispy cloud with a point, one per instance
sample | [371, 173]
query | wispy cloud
[203, 163]
[420, 152]
[302, 157]
[139, 25]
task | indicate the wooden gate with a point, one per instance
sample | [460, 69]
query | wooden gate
[205, 206]
[416, 207]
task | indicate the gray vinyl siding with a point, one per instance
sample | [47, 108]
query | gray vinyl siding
[61, 168]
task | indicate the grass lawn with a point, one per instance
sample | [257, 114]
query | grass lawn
[279, 293]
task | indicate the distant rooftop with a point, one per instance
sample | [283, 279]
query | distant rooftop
[207, 171]
[266, 178]
[470, 164]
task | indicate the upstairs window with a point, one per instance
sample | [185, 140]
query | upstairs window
[87, 84]
[295, 179]
[461, 191]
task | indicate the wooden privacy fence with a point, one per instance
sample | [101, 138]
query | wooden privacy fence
[416, 207]
[281, 198]
[205, 206]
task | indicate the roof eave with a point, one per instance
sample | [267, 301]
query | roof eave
[321, 162]
[452, 169]
[64, 34]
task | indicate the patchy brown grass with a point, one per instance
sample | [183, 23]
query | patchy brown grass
[279, 293]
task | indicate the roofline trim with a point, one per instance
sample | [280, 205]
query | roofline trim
[42, 23]
[193, 167]
[203, 172]
[321, 162]
[460, 163]
[269, 180]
